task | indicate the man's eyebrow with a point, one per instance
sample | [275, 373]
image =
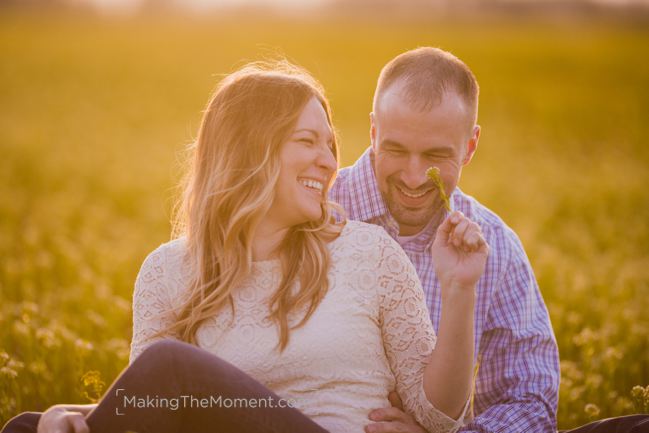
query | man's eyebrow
[447, 150]
[392, 143]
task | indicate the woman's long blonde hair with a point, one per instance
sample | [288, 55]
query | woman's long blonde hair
[229, 188]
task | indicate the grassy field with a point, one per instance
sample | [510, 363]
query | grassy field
[94, 115]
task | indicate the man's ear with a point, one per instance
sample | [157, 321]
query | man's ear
[372, 132]
[472, 145]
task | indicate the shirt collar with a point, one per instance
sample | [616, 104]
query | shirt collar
[366, 200]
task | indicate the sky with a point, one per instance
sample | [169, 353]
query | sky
[131, 6]
[197, 5]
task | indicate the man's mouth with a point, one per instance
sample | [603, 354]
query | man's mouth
[413, 194]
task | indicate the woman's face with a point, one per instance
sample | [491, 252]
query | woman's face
[307, 165]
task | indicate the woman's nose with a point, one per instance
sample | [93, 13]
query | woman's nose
[327, 160]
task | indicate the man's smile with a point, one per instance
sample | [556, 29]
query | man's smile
[411, 198]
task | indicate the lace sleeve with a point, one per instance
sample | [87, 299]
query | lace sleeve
[408, 335]
[151, 303]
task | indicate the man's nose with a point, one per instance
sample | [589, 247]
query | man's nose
[414, 173]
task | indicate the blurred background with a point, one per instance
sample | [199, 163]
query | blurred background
[99, 98]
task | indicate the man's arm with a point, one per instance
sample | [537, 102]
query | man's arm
[62, 418]
[518, 381]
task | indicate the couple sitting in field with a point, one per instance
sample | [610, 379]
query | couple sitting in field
[392, 314]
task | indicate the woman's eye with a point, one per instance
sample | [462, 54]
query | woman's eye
[308, 141]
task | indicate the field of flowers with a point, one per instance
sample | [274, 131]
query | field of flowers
[94, 115]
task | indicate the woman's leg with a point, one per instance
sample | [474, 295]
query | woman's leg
[25, 422]
[161, 391]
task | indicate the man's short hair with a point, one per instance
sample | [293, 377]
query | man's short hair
[427, 73]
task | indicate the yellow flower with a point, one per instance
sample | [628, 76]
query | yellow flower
[432, 173]
[9, 372]
[592, 410]
[93, 385]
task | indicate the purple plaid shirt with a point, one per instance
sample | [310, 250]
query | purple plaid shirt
[518, 378]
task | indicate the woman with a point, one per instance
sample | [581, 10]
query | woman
[322, 314]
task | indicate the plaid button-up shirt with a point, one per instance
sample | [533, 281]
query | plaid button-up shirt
[517, 385]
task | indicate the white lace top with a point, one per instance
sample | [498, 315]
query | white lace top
[371, 333]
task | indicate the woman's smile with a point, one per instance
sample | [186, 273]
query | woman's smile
[312, 185]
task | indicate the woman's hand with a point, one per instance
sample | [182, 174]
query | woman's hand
[459, 255]
[60, 419]
[459, 252]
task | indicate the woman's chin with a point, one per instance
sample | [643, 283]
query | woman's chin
[311, 217]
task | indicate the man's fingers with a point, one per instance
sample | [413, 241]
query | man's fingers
[389, 414]
[393, 427]
[395, 400]
[78, 422]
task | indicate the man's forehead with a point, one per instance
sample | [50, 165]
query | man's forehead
[400, 97]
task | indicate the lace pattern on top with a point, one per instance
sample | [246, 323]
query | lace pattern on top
[370, 334]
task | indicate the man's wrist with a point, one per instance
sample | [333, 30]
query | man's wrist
[84, 409]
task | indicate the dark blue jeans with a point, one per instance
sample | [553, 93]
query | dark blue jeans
[218, 397]
[622, 424]
[171, 369]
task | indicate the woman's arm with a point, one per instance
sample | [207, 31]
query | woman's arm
[459, 256]
[152, 299]
[434, 385]
[449, 374]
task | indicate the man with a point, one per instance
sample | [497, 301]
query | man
[424, 115]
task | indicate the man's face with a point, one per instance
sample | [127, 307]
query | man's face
[406, 141]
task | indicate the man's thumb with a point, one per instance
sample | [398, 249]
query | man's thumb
[395, 400]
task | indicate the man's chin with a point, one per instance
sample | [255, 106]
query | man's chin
[410, 220]
[413, 217]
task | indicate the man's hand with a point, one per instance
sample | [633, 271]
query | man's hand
[459, 252]
[392, 419]
[57, 419]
